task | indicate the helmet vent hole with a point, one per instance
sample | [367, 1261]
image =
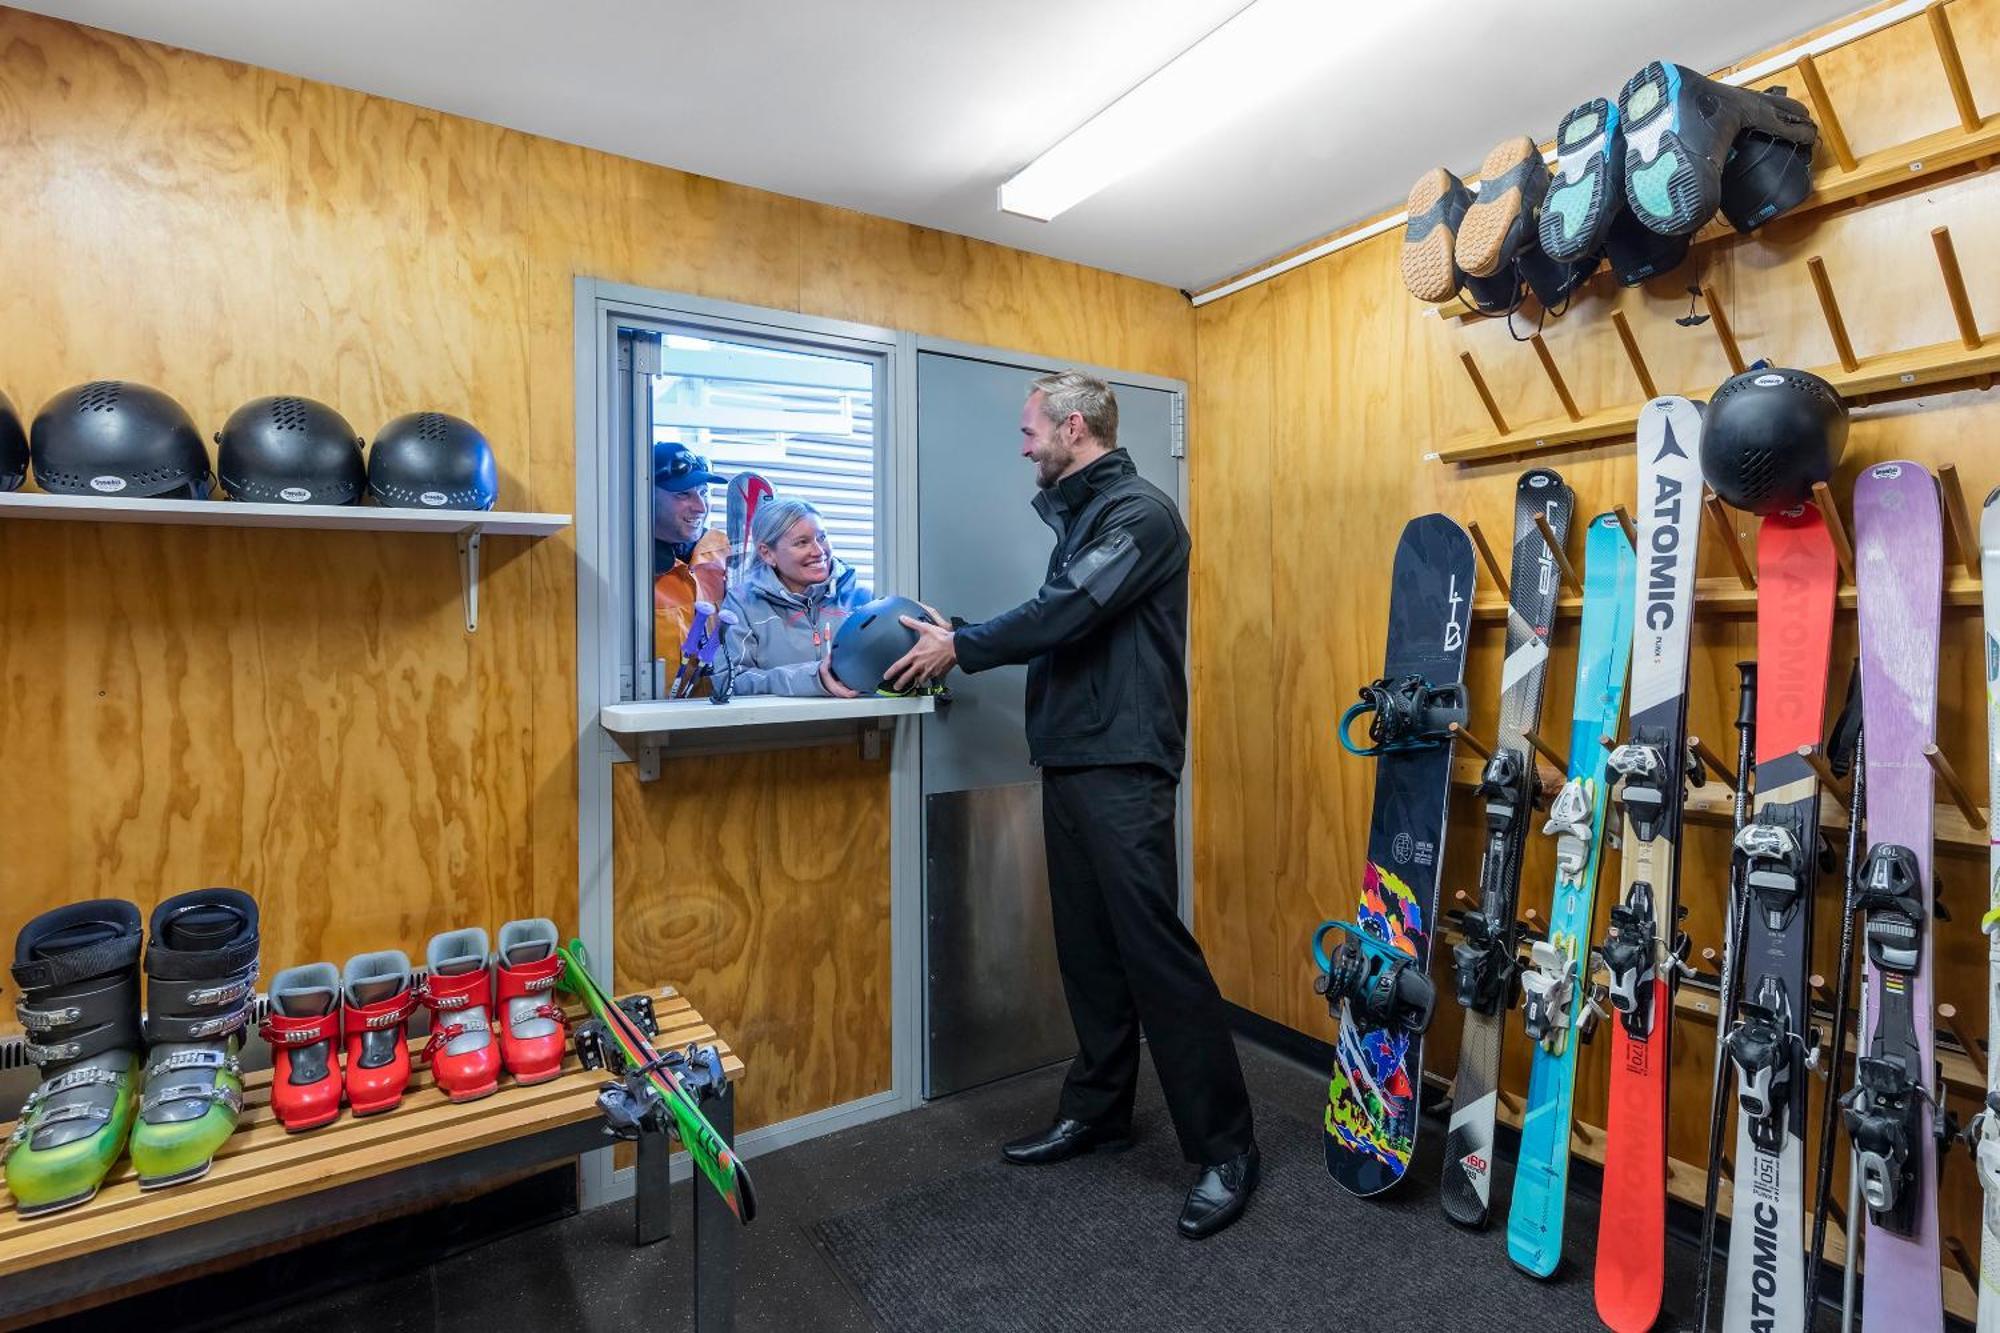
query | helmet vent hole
[431, 426]
[288, 414]
[99, 396]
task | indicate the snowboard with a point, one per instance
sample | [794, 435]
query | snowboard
[1898, 559]
[660, 1081]
[1985, 1140]
[1777, 867]
[1643, 945]
[1487, 960]
[1372, 1093]
[1554, 987]
[747, 490]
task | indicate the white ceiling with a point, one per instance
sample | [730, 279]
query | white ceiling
[918, 109]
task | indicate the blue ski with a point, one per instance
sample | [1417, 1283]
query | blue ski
[1554, 985]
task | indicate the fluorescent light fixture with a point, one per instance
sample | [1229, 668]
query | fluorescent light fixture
[1257, 53]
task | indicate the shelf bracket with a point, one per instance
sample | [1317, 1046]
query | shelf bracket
[646, 759]
[468, 576]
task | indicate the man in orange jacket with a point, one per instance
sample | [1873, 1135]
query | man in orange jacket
[690, 559]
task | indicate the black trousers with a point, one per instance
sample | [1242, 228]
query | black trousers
[1128, 963]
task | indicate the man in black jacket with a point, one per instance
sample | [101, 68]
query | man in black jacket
[1104, 641]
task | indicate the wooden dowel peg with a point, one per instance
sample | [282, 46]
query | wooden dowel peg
[1723, 333]
[1728, 1169]
[1462, 898]
[1714, 762]
[1954, 74]
[1632, 354]
[1581, 1134]
[1836, 529]
[1819, 990]
[1838, 1213]
[1835, 787]
[1829, 308]
[1954, 285]
[1533, 918]
[1555, 377]
[1830, 132]
[1608, 742]
[1563, 566]
[1510, 1101]
[1957, 1028]
[1732, 541]
[1486, 557]
[1546, 751]
[1624, 517]
[1952, 1244]
[1471, 742]
[1485, 394]
[1959, 518]
[1954, 788]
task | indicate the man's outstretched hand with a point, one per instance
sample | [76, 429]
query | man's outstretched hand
[935, 653]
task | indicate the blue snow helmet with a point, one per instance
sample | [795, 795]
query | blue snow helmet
[13, 447]
[429, 460]
[872, 639]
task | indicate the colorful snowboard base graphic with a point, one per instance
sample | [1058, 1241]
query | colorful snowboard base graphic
[1371, 1102]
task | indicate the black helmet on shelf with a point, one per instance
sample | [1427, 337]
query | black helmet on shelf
[290, 451]
[13, 447]
[1768, 435]
[871, 640]
[114, 437]
[428, 460]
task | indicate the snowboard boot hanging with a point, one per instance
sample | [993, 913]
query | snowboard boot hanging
[1587, 189]
[1680, 129]
[1501, 220]
[1436, 206]
[463, 1055]
[303, 1031]
[78, 972]
[201, 978]
[526, 968]
[376, 1003]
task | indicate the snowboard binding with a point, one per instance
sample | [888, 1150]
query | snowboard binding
[1774, 868]
[1384, 986]
[1404, 714]
[1546, 990]
[1631, 959]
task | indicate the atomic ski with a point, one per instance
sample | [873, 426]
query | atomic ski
[1891, 1111]
[1985, 1136]
[1643, 946]
[1777, 859]
[1553, 987]
[1377, 983]
[654, 1085]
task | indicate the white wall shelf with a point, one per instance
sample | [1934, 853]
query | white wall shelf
[750, 721]
[467, 526]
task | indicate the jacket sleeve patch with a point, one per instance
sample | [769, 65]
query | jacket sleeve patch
[1101, 568]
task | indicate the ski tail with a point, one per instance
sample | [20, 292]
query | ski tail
[747, 490]
[706, 1148]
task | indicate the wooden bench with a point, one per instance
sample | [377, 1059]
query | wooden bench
[269, 1186]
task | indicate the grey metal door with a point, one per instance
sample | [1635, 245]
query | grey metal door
[993, 1001]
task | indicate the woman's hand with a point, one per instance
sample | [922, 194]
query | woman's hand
[832, 682]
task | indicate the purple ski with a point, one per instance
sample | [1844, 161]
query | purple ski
[1890, 1112]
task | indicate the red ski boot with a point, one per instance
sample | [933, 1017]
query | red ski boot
[378, 1003]
[303, 1029]
[525, 971]
[464, 1057]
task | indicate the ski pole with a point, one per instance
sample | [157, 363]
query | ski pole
[1823, 1185]
[1732, 947]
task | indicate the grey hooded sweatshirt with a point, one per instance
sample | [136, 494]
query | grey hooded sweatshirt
[779, 636]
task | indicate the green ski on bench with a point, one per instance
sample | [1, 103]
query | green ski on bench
[649, 1081]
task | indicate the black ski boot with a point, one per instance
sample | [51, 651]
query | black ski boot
[1680, 128]
[201, 977]
[78, 970]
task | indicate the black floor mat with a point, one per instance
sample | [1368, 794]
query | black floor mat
[1090, 1246]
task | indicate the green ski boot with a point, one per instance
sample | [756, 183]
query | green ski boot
[78, 970]
[201, 977]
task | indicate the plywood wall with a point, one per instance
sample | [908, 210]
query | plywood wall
[303, 714]
[1317, 396]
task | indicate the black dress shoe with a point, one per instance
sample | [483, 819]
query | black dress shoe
[1063, 1140]
[1221, 1195]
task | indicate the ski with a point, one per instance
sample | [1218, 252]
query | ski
[1554, 986]
[1377, 983]
[1488, 964]
[747, 490]
[1777, 859]
[1643, 946]
[1985, 1136]
[1890, 1112]
[650, 1082]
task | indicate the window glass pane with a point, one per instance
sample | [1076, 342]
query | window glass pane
[804, 421]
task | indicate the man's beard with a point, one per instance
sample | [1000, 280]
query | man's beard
[1049, 471]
